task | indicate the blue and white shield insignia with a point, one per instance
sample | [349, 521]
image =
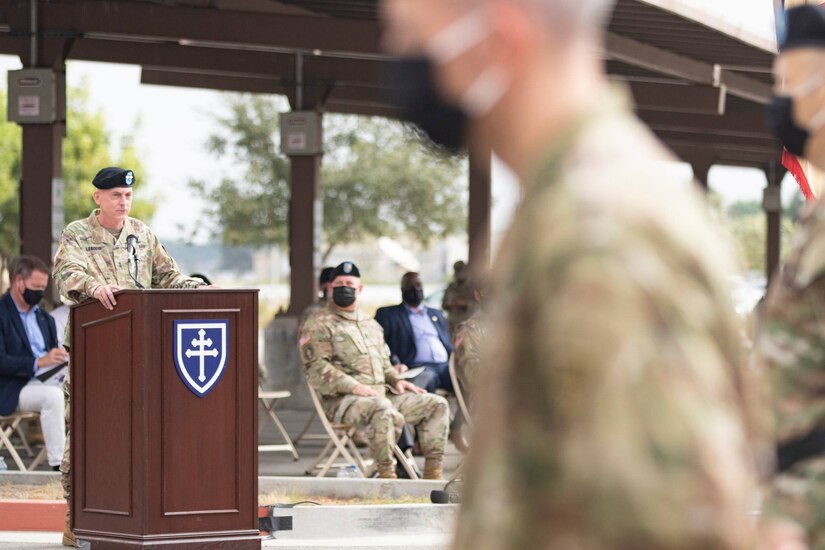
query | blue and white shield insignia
[200, 353]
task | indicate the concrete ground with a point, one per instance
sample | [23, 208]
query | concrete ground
[283, 464]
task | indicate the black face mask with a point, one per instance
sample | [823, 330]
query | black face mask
[343, 296]
[33, 297]
[412, 296]
[779, 117]
[413, 90]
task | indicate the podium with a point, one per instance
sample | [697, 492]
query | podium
[164, 420]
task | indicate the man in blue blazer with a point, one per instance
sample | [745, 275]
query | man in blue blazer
[29, 348]
[417, 336]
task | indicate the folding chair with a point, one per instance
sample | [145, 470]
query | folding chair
[10, 425]
[269, 399]
[340, 444]
[459, 392]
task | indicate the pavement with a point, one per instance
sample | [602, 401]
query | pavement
[281, 474]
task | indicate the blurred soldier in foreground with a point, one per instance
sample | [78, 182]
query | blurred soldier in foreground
[458, 298]
[347, 361]
[107, 252]
[791, 340]
[614, 413]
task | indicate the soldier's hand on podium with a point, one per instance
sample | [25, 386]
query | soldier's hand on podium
[209, 287]
[363, 390]
[105, 294]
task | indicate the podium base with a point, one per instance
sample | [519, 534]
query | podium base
[193, 542]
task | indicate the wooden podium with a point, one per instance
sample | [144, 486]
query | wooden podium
[164, 420]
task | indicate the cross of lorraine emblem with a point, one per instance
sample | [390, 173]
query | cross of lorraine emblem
[200, 353]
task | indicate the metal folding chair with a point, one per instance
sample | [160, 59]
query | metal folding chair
[459, 392]
[340, 444]
[269, 399]
[10, 425]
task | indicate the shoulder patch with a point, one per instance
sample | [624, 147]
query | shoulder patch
[304, 340]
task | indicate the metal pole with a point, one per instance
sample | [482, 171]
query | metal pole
[33, 49]
[299, 81]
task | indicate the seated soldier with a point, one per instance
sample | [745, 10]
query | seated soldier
[347, 362]
[470, 336]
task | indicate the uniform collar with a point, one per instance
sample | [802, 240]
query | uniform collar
[101, 232]
[348, 315]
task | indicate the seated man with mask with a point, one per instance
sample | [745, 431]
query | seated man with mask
[29, 352]
[418, 336]
[347, 362]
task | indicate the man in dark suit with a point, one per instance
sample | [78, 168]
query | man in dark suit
[417, 336]
[28, 348]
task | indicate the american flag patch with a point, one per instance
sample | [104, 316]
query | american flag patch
[304, 340]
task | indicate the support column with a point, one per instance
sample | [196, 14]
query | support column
[478, 229]
[41, 168]
[701, 170]
[305, 178]
[772, 205]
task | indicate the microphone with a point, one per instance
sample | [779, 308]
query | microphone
[131, 242]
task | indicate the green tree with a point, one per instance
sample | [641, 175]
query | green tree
[85, 151]
[378, 179]
[10, 146]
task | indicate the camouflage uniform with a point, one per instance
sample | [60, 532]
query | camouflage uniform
[342, 349]
[615, 407]
[791, 346]
[88, 256]
[469, 337]
[457, 302]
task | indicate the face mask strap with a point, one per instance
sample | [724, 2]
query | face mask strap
[485, 92]
[458, 37]
[807, 88]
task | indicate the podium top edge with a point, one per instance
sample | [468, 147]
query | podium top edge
[175, 291]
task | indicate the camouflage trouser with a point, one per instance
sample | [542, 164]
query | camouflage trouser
[800, 495]
[65, 465]
[384, 417]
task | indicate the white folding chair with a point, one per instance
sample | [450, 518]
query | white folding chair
[341, 444]
[10, 425]
[270, 398]
[459, 392]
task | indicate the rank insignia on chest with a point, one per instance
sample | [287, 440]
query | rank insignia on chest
[201, 350]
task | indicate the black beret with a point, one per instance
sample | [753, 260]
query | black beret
[805, 28]
[347, 268]
[113, 176]
[326, 275]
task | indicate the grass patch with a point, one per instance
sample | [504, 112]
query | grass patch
[47, 491]
[54, 491]
[294, 498]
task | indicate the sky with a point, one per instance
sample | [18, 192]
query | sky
[171, 126]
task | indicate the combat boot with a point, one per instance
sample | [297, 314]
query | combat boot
[387, 471]
[432, 468]
[68, 537]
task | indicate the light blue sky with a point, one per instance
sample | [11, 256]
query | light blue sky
[172, 125]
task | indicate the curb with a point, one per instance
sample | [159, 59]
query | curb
[32, 515]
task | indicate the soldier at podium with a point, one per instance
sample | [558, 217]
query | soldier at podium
[107, 252]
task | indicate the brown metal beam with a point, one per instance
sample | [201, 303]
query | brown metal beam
[130, 19]
[677, 98]
[227, 83]
[627, 50]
